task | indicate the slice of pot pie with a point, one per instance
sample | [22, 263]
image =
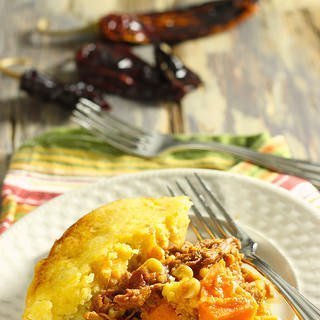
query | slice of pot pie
[129, 260]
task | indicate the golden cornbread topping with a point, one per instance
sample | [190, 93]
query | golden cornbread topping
[207, 280]
[97, 251]
[128, 260]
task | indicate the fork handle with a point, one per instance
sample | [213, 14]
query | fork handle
[300, 168]
[302, 306]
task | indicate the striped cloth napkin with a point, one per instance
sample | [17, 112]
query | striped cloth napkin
[68, 158]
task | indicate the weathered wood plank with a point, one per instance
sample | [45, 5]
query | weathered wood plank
[6, 137]
[262, 76]
[150, 116]
[22, 117]
[7, 92]
[30, 117]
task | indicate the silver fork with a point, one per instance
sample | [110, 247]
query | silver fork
[142, 143]
[215, 227]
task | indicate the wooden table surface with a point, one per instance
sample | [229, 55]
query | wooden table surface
[262, 76]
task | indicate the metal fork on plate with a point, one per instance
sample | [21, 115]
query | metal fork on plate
[213, 226]
[136, 141]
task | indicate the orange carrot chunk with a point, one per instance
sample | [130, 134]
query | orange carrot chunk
[161, 312]
[221, 298]
[227, 309]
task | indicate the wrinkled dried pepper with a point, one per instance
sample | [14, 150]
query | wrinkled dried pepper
[171, 67]
[176, 25]
[45, 88]
[116, 70]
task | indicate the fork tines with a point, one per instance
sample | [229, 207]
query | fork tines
[208, 210]
[116, 132]
[91, 109]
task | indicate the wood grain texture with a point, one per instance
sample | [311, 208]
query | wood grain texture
[262, 76]
[22, 117]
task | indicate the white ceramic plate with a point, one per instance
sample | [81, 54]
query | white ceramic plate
[287, 228]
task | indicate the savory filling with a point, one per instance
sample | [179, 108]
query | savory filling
[207, 280]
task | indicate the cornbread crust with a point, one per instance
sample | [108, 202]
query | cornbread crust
[97, 250]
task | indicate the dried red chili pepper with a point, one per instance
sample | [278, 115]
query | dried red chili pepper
[115, 61]
[181, 78]
[44, 88]
[116, 70]
[176, 25]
